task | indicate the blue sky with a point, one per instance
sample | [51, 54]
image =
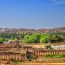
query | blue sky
[32, 13]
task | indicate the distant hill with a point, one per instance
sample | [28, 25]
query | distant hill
[24, 30]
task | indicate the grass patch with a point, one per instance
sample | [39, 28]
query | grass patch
[56, 56]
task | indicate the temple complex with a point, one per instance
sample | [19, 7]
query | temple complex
[18, 52]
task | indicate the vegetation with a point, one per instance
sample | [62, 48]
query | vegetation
[44, 38]
[30, 56]
[33, 38]
[1, 40]
[48, 47]
[56, 56]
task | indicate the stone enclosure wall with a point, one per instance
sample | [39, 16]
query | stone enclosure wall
[23, 56]
[12, 56]
[46, 52]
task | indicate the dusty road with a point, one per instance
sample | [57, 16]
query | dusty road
[42, 64]
[36, 64]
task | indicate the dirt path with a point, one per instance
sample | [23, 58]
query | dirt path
[42, 64]
[36, 64]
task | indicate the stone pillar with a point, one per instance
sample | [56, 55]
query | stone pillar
[0, 56]
[7, 56]
[19, 57]
[38, 53]
[12, 56]
[61, 52]
[41, 53]
[44, 53]
[16, 56]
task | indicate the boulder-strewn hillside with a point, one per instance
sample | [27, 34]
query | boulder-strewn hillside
[24, 30]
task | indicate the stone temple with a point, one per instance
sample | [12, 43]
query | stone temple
[19, 52]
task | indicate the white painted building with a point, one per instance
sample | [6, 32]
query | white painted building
[58, 47]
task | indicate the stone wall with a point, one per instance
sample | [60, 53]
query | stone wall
[22, 56]
[12, 56]
[46, 52]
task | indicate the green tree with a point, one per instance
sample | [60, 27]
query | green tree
[33, 38]
[1, 40]
[26, 38]
[44, 38]
[56, 38]
[53, 38]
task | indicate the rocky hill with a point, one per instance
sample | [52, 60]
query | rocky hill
[24, 30]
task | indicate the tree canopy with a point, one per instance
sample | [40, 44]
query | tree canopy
[33, 37]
